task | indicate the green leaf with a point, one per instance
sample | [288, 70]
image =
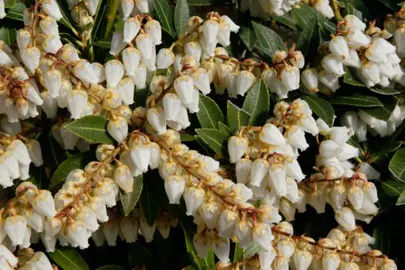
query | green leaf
[209, 2]
[397, 165]
[16, 13]
[200, 263]
[38, 177]
[321, 108]
[401, 199]
[75, 162]
[225, 129]
[286, 19]
[164, 13]
[8, 35]
[65, 20]
[68, 259]
[393, 188]
[384, 112]
[356, 101]
[268, 40]
[236, 117]
[257, 103]
[385, 91]
[248, 36]
[111, 267]
[105, 44]
[238, 253]
[112, 10]
[9, 3]
[129, 200]
[98, 18]
[214, 138]
[209, 114]
[187, 137]
[181, 15]
[351, 79]
[55, 153]
[149, 205]
[90, 128]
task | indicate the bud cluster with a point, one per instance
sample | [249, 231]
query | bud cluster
[338, 183]
[127, 228]
[16, 157]
[25, 259]
[27, 216]
[266, 157]
[364, 51]
[82, 11]
[341, 249]
[361, 121]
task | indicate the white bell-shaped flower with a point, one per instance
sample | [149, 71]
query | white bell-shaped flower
[242, 170]
[53, 82]
[129, 228]
[126, 8]
[237, 147]
[244, 82]
[338, 46]
[330, 261]
[174, 187]
[114, 71]
[52, 9]
[15, 227]
[201, 80]
[31, 56]
[346, 219]
[139, 77]
[333, 65]
[262, 235]
[131, 29]
[226, 223]
[154, 29]
[84, 71]
[157, 119]
[52, 44]
[124, 178]
[23, 39]
[209, 212]
[194, 197]
[117, 45]
[118, 129]
[164, 58]
[184, 88]
[126, 90]
[270, 134]
[77, 101]
[171, 106]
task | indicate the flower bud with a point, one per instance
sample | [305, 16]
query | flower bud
[194, 197]
[338, 46]
[31, 56]
[184, 86]
[139, 77]
[52, 44]
[330, 80]
[154, 29]
[77, 101]
[23, 39]
[164, 58]
[52, 9]
[244, 81]
[117, 45]
[201, 80]
[157, 119]
[346, 219]
[140, 155]
[330, 261]
[53, 82]
[270, 134]
[210, 29]
[84, 71]
[114, 70]
[333, 65]
[16, 227]
[129, 228]
[123, 178]
[355, 196]
[242, 170]
[131, 29]
[210, 211]
[309, 78]
[290, 76]
[126, 8]
[237, 147]
[174, 187]
[243, 233]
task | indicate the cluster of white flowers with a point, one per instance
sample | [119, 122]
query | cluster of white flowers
[128, 228]
[134, 7]
[26, 259]
[341, 249]
[16, 157]
[365, 51]
[27, 216]
[361, 121]
[266, 157]
[338, 183]
[265, 8]
[395, 24]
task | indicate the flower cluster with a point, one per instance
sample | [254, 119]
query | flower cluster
[265, 8]
[364, 51]
[133, 7]
[266, 157]
[341, 249]
[127, 228]
[16, 157]
[27, 215]
[361, 121]
[26, 259]
[338, 183]
[82, 11]
[395, 24]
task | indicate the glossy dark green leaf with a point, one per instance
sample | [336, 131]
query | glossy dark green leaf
[356, 101]
[351, 79]
[129, 200]
[257, 103]
[321, 108]
[98, 19]
[112, 11]
[225, 129]
[105, 44]
[8, 35]
[385, 91]
[9, 3]
[181, 16]
[209, 114]
[149, 205]
[285, 19]
[16, 12]
[74, 162]
[397, 165]
[384, 112]
[90, 128]
[393, 188]
[68, 259]
[164, 13]
[236, 116]
[248, 36]
[215, 139]
[268, 41]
